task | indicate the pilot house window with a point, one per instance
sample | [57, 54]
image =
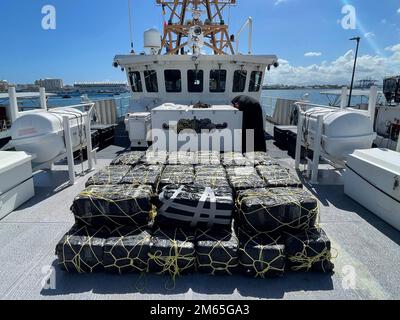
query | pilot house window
[173, 80]
[150, 78]
[195, 80]
[136, 81]
[255, 81]
[217, 80]
[239, 80]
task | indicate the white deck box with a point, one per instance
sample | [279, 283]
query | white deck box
[223, 122]
[16, 183]
[138, 125]
[372, 178]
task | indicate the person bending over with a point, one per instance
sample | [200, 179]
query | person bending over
[252, 120]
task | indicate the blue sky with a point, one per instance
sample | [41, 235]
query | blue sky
[90, 32]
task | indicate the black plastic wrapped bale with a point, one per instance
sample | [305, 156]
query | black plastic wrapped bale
[213, 176]
[142, 174]
[243, 178]
[81, 249]
[292, 141]
[217, 251]
[281, 135]
[127, 250]
[155, 157]
[181, 158]
[121, 205]
[176, 174]
[230, 159]
[172, 253]
[194, 206]
[208, 157]
[111, 175]
[106, 134]
[276, 209]
[260, 158]
[129, 158]
[95, 138]
[277, 176]
[261, 255]
[309, 250]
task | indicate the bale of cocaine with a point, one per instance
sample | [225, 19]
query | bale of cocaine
[81, 249]
[121, 205]
[172, 252]
[194, 206]
[309, 250]
[155, 157]
[176, 174]
[181, 158]
[129, 158]
[276, 176]
[217, 251]
[207, 157]
[111, 175]
[258, 158]
[243, 178]
[127, 250]
[142, 174]
[230, 159]
[261, 255]
[213, 176]
[276, 209]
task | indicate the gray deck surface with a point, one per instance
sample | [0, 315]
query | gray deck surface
[29, 235]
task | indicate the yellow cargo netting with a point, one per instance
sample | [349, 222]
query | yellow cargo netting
[263, 264]
[278, 196]
[227, 244]
[95, 195]
[176, 261]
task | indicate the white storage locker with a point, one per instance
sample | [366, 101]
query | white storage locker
[16, 183]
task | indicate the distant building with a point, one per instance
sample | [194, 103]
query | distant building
[50, 84]
[101, 87]
[27, 87]
[3, 85]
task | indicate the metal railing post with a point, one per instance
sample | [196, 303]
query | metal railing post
[43, 101]
[343, 99]
[299, 139]
[89, 148]
[317, 150]
[14, 112]
[69, 151]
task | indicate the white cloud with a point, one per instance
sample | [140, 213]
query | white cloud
[398, 10]
[337, 71]
[313, 54]
[369, 35]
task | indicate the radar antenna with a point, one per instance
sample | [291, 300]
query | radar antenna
[181, 30]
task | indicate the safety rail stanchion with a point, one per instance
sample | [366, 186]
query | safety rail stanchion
[317, 150]
[69, 151]
[91, 154]
[299, 139]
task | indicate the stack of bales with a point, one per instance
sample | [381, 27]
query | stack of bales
[185, 211]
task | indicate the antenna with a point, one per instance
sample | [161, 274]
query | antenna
[130, 25]
[180, 29]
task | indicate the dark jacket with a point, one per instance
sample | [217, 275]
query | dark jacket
[252, 119]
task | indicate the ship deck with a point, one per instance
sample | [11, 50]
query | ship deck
[28, 237]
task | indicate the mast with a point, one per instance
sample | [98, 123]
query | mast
[181, 17]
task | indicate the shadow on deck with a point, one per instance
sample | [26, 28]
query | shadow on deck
[104, 284]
